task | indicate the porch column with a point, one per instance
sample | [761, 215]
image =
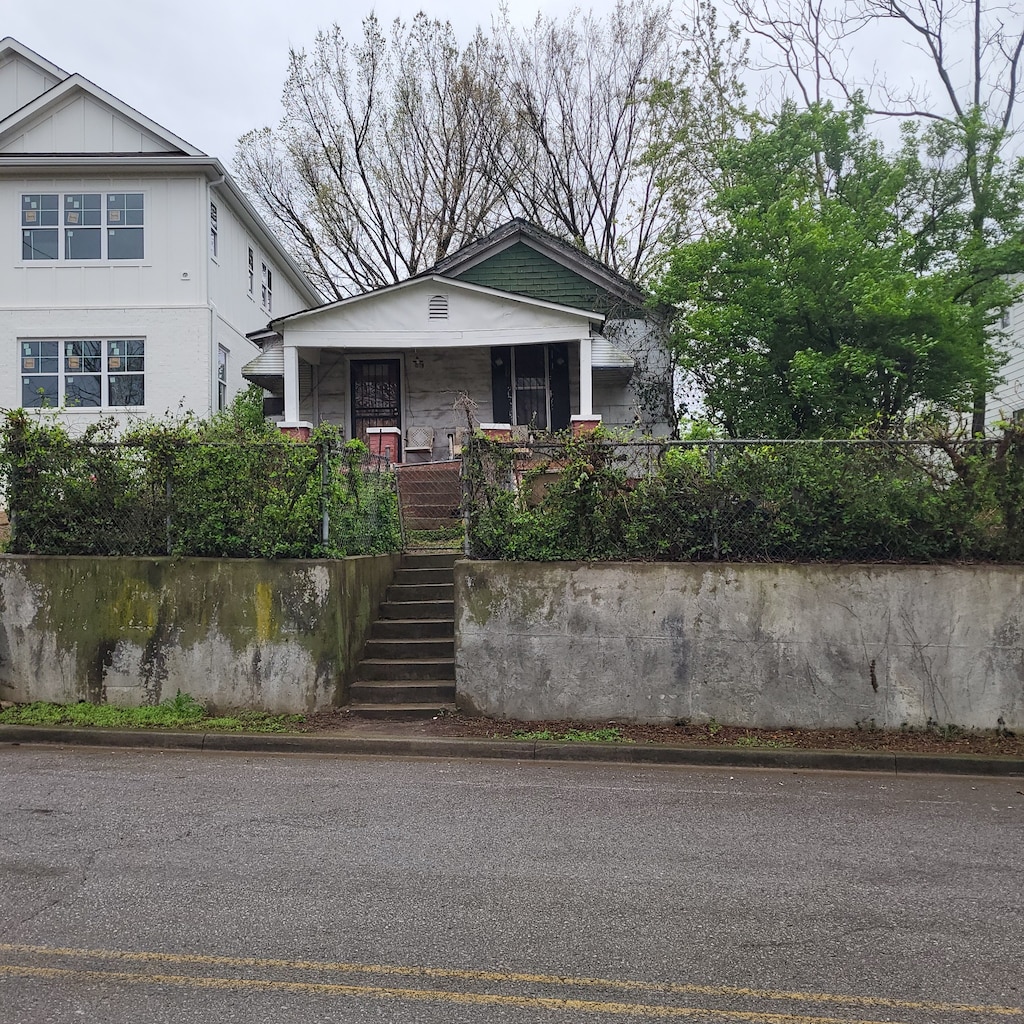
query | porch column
[291, 384]
[586, 378]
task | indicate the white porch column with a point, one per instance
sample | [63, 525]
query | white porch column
[586, 378]
[291, 384]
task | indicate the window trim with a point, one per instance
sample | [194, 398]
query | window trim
[64, 371]
[214, 233]
[222, 378]
[107, 224]
[266, 286]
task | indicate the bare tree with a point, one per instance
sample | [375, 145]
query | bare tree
[606, 108]
[400, 148]
[968, 103]
[386, 156]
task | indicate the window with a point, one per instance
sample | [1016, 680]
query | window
[83, 373]
[81, 217]
[39, 217]
[214, 247]
[530, 386]
[222, 378]
[267, 278]
[252, 271]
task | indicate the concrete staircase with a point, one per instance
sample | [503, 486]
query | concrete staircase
[408, 666]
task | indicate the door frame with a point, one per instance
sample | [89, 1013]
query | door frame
[394, 361]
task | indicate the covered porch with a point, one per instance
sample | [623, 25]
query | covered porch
[412, 367]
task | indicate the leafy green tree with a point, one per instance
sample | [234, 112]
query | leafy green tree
[962, 92]
[808, 309]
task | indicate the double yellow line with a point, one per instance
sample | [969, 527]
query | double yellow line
[123, 957]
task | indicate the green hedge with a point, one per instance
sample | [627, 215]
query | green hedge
[232, 486]
[584, 499]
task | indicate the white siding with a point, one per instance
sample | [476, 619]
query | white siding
[177, 343]
[171, 274]
[20, 83]
[83, 124]
[1008, 398]
[229, 272]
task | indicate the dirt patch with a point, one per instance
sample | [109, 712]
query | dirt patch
[940, 740]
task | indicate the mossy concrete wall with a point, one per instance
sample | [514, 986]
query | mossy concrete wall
[234, 633]
[754, 645]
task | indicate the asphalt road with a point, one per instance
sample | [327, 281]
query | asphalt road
[180, 887]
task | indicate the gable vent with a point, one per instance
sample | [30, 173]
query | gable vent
[438, 307]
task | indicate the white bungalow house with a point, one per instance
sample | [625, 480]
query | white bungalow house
[133, 267]
[531, 331]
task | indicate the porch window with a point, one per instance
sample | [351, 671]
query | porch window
[530, 386]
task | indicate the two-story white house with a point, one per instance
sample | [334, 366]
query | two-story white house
[131, 265]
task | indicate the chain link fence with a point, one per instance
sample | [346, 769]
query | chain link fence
[220, 499]
[725, 500]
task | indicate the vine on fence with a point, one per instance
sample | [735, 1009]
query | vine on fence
[231, 486]
[601, 497]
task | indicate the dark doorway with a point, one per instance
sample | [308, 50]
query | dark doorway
[376, 395]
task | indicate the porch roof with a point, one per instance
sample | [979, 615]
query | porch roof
[434, 312]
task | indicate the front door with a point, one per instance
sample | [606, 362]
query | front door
[376, 395]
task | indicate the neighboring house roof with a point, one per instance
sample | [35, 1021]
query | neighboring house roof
[523, 258]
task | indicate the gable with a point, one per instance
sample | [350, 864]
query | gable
[82, 123]
[436, 311]
[524, 270]
[21, 81]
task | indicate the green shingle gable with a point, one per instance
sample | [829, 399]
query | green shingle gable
[525, 271]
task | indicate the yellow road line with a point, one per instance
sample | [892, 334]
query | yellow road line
[420, 995]
[504, 977]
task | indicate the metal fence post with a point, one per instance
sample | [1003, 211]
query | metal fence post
[168, 518]
[466, 497]
[715, 544]
[325, 480]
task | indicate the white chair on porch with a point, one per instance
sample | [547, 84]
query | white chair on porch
[419, 441]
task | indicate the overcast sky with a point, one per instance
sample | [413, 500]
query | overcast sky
[208, 70]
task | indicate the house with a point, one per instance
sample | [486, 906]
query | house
[1007, 400]
[521, 327]
[133, 267]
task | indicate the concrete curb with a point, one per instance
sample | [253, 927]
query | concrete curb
[519, 750]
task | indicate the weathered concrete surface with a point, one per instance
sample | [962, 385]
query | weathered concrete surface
[757, 645]
[280, 636]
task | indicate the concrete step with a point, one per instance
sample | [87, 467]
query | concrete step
[428, 574]
[402, 712]
[409, 691]
[405, 648]
[421, 592]
[412, 629]
[430, 559]
[418, 610]
[435, 669]
[438, 523]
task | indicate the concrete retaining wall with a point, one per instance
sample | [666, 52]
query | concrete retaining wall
[753, 645]
[278, 636]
